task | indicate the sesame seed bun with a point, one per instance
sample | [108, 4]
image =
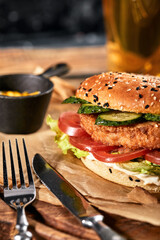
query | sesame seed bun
[117, 176]
[122, 91]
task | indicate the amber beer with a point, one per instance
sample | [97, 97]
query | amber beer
[133, 35]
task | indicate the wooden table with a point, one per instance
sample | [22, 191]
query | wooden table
[84, 62]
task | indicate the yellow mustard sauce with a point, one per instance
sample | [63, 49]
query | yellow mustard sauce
[18, 94]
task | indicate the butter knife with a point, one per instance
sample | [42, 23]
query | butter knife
[72, 199]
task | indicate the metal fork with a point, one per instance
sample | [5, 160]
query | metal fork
[18, 197]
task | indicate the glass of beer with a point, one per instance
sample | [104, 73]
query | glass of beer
[133, 35]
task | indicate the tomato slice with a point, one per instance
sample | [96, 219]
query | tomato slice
[86, 143]
[153, 156]
[69, 123]
[107, 157]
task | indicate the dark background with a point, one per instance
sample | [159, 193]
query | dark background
[47, 23]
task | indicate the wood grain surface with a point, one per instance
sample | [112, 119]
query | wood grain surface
[48, 221]
[84, 61]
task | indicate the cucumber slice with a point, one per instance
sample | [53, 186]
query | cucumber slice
[90, 108]
[152, 117]
[75, 100]
[117, 118]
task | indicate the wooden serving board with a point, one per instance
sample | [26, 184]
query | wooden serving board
[48, 221]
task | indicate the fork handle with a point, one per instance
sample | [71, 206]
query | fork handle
[22, 225]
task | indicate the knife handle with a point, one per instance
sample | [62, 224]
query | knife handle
[105, 232]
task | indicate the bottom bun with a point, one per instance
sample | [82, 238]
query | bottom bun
[117, 176]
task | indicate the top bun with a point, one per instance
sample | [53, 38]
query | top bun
[122, 91]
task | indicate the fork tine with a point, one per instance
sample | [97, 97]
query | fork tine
[20, 166]
[5, 176]
[14, 182]
[30, 178]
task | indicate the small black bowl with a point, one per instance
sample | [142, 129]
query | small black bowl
[23, 115]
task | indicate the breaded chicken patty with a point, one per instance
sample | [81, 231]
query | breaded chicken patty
[141, 135]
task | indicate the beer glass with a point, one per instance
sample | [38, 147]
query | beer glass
[133, 35]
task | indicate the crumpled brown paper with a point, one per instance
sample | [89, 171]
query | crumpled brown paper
[105, 195]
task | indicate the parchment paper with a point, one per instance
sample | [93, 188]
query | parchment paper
[105, 195]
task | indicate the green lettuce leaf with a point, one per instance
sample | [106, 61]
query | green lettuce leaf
[62, 139]
[136, 165]
[142, 166]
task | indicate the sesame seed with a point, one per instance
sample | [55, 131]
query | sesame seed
[115, 82]
[144, 80]
[99, 88]
[106, 105]
[116, 78]
[154, 98]
[86, 94]
[106, 84]
[153, 89]
[109, 88]
[84, 89]
[90, 90]
[152, 103]
[110, 170]
[152, 94]
[137, 88]
[109, 95]
[96, 98]
[137, 180]
[140, 96]
[129, 89]
[131, 179]
[145, 86]
[147, 106]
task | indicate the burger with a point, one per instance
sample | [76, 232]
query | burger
[116, 129]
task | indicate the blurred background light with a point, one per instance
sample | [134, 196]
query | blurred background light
[47, 23]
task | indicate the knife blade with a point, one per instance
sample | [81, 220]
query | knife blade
[72, 199]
